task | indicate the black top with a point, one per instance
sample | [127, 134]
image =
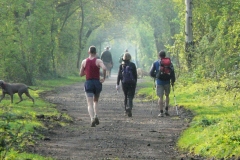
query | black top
[106, 56]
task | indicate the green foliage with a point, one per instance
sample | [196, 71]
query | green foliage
[147, 90]
[46, 39]
[19, 125]
[217, 38]
[23, 155]
[214, 130]
[147, 53]
[216, 120]
[16, 132]
[51, 83]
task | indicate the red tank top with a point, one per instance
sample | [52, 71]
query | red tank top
[91, 70]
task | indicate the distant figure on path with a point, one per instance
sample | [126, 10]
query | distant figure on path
[93, 85]
[106, 57]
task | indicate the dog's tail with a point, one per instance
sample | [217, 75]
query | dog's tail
[32, 88]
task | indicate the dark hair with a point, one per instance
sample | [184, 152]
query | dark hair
[92, 49]
[126, 56]
[162, 54]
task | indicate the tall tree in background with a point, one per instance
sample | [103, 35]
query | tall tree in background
[44, 39]
[92, 15]
[189, 43]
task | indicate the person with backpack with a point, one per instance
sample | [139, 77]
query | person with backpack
[93, 85]
[127, 74]
[106, 57]
[162, 71]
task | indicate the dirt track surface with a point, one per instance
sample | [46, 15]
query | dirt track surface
[143, 136]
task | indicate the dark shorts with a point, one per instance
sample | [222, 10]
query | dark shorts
[93, 86]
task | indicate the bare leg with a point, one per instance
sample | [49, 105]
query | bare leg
[95, 104]
[107, 75]
[160, 103]
[90, 107]
[167, 101]
[95, 107]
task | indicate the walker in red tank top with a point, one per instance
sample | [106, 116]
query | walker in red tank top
[91, 70]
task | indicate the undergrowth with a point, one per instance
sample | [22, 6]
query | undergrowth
[19, 124]
[215, 128]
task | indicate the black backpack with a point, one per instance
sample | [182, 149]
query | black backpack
[127, 74]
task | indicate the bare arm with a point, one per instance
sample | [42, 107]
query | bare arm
[100, 64]
[152, 72]
[81, 72]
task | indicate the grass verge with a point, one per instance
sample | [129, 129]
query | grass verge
[215, 128]
[19, 124]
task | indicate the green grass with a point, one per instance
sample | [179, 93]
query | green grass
[147, 89]
[18, 121]
[215, 128]
[49, 84]
[22, 156]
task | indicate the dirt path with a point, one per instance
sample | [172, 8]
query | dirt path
[143, 136]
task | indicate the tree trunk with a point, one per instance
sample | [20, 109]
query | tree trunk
[156, 41]
[189, 44]
[53, 47]
[80, 36]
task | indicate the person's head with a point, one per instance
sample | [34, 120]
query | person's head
[107, 48]
[162, 54]
[92, 50]
[126, 57]
[126, 50]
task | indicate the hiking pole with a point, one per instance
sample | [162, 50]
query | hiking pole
[175, 100]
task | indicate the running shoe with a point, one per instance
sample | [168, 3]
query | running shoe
[93, 124]
[160, 115]
[96, 121]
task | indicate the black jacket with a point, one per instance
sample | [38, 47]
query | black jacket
[106, 56]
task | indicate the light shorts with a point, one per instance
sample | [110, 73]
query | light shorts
[108, 65]
[163, 89]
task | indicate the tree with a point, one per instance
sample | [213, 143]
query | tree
[189, 43]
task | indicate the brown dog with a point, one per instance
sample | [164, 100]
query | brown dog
[12, 88]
